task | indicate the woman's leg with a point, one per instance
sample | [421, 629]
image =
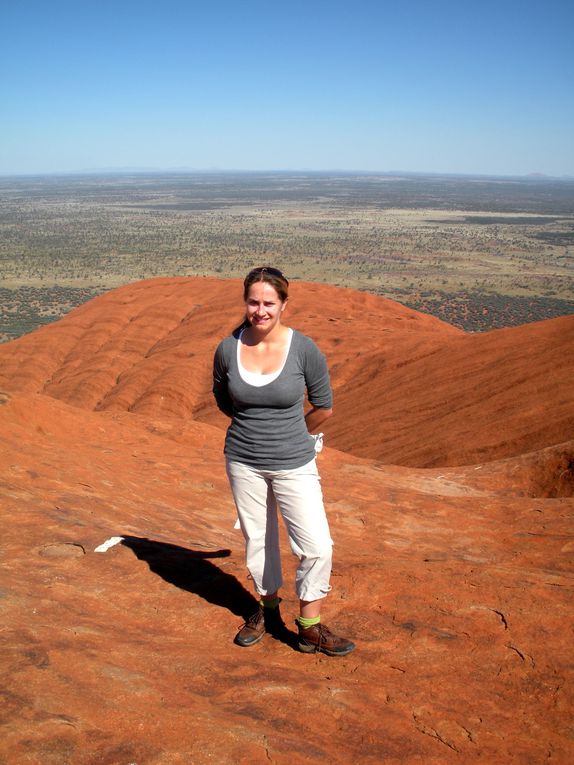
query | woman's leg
[257, 511]
[300, 499]
[310, 609]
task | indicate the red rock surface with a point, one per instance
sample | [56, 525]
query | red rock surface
[449, 484]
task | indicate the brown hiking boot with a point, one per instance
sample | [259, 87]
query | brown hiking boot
[320, 638]
[252, 631]
[262, 621]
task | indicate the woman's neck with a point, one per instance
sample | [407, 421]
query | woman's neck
[275, 336]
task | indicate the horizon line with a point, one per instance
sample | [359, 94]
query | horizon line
[119, 171]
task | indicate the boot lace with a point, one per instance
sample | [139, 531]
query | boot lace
[255, 619]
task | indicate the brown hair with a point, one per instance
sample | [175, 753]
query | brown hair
[270, 275]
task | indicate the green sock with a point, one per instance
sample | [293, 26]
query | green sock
[306, 623]
[270, 603]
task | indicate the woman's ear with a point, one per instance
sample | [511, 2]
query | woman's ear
[284, 306]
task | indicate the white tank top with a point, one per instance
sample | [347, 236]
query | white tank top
[258, 379]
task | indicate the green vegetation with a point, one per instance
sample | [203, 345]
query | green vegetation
[396, 236]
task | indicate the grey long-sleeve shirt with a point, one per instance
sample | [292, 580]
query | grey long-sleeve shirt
[268, 429]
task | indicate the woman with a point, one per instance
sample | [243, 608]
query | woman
[260, 375]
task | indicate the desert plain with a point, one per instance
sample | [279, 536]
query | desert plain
[478, 252]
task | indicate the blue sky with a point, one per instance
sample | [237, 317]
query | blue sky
[456, 87]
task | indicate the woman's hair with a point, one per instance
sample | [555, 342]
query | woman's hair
[270, 275]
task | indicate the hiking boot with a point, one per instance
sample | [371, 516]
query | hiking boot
[262, 621]
[252, 631]
[320, 638]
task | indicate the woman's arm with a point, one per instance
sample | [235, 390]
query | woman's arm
[220, 390]
[315, 417]
[319, 391]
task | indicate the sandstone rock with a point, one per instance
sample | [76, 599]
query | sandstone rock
[454, 580]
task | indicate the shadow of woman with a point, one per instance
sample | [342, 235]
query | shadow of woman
[191, 570]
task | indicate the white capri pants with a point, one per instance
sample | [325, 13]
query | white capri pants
[297, 493]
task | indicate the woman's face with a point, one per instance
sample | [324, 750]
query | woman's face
[263, 307]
